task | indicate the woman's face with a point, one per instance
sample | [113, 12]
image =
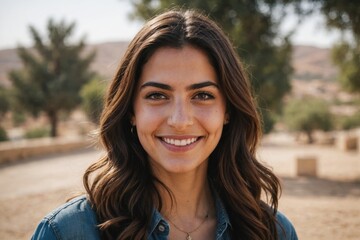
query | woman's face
[179, 110]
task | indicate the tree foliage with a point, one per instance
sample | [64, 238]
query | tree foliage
[3, 135]
[4, 102]
[92, 95]
[253, 28]
[53, 73]
[347, 57]
[350, 122]
[307, 115]
[343, 16]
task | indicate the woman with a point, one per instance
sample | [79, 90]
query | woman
[180, 129]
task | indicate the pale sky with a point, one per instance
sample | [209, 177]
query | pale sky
[107, 21]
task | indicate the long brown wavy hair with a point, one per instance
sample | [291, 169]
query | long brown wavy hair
[121, 185]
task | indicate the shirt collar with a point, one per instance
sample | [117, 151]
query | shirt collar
[223, 221]
[158, 222]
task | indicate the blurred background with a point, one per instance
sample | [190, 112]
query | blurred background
[302, 56]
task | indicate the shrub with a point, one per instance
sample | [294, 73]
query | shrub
[18, 118]
[351, 122]
[3, 135]
[37, 132]
[4, 101]
[307, 115]
[92, 95]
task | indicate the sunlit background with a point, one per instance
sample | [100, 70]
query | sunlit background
[312, 143]
[108, 20]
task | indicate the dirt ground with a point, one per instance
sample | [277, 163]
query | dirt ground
[325, 207]
[322, 207]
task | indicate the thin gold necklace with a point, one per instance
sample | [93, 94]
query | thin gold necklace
[188, 237]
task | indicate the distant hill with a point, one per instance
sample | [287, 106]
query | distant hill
[310, 63]
[313, 63]
[8, 60]
[108, 56]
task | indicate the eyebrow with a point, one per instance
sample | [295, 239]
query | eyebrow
[168, 87]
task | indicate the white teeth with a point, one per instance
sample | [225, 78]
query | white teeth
[178, 142]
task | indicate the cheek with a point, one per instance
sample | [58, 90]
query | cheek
[212, 120]
[147, 118]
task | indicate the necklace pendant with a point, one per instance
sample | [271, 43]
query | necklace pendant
[188, 237]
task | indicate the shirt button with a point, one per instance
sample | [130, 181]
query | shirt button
[161, 228]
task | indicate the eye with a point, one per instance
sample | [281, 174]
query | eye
[155, 96]
[203, 96]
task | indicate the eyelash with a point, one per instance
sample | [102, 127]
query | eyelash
[205, 96]
[202, 96]
[156, 96]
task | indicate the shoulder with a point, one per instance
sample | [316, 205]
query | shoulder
[285, 228]
[73, 220]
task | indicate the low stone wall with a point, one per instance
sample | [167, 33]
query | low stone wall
[22, 149]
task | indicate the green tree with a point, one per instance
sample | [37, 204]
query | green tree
[3, 135]
[253, 28]
[347, 57]
[4, 102]
[92, 95]
[343, 16]
[307, 115]
[350, 122]
[53, 73]
[4, 108]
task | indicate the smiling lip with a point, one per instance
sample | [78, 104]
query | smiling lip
[179, 143]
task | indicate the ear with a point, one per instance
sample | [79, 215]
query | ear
[132, 120]
[227, 118]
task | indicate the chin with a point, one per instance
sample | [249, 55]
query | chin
[184, 166]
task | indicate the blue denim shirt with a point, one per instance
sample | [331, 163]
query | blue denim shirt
[77, 220]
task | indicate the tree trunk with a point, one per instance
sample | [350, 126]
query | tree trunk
[309, 137]
[53, 123]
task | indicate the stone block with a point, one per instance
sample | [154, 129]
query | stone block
[347, 142]
[306, 166]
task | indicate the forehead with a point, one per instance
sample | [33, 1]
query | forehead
[186, 64]
[187, 52]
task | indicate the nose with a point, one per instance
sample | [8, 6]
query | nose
[180, 116]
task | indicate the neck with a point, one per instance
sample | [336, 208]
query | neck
[190, 209]
[191, 196]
